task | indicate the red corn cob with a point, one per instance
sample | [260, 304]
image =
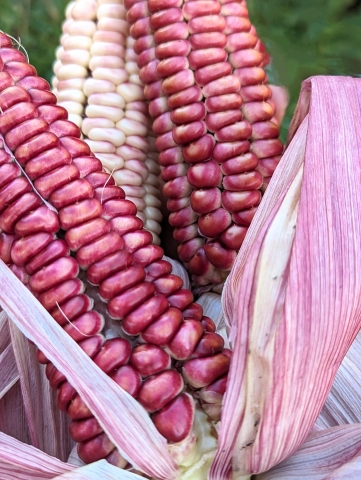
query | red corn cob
[108, 242]
[204, 51]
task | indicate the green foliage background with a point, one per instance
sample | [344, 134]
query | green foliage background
[309, 37]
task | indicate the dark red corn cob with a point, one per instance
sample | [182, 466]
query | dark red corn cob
[213, 134]
[106, 239]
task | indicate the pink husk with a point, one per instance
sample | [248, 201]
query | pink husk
[332, 454]
[9, 373]
[12, 415]
[282, 371]
[23, 462]
[48, 426]
[349, 471]
[343, 405]
[99, 470]
[4, 332]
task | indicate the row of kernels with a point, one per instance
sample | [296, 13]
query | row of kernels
[71, 69]
[153, 186]
[224, 119]
[248, 57]
[137, 113]
[170, 35]
[179, 84]
[105, 126]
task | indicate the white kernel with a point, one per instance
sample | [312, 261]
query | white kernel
[71, 95]
[93, 85]
[132, 127]
[100, 147]
[72, 107]
[130, 92]
[112, 135]
[127, 177]
[111, 161]
[64, 72]
[112, 113]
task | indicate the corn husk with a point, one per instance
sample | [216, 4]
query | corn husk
[47, 425]
[132, 431]
[28, 409]
[332, 454]
[281, 179]
[349, 471]
[97, 470]
[343, 404]
[212, 307]
[19, 461]
[178, 269]
[9, 372]
[296, 288]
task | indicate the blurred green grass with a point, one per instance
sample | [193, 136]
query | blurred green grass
[312, 37]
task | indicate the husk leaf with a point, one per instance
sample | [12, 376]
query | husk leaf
[9, 373]
[99, 470]
[326, 455]
[19, 461]
[343, 404]
[297, 301]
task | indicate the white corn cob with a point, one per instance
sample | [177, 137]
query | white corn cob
[103, 94]
[106, 104]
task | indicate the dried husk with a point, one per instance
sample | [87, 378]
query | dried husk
[343, 404]
[28, 408]
[19, 461]
[296, 291]
[281, 179]
[99, 470]
[9, 373]
[349, 471]
[332, 454]
[212, 307]
[47, 425]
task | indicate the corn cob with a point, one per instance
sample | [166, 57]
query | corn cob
[195, 96]
[116, 121]
[108, 90]
[109, 243]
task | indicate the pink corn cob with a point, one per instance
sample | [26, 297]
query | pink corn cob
[108, 242]
[212, 175]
